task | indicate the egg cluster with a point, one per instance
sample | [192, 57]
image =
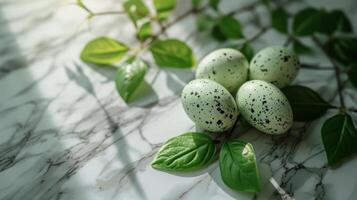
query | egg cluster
[226, 73]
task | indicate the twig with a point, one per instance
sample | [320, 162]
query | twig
[260, 33]
[336, 69]
[244, 8]
[108, 13]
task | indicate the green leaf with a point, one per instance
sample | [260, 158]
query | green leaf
[230, 27]
[279, 20]
[204, 22]
[335, 20]
[129, 77]
[145, 31]
[217, 34]
[136, 9]
[172, 53]
[352, 74]
[164, 7]
[238, 166]
[301, 48]
[214, 4]
[343, 49]
[311, 20]
[247, 51]
[306, 104]
[188, 152]
[196, 3]
[339, 137]
[103, 50]
[307, 21]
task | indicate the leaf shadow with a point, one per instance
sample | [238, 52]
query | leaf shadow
[178, 78]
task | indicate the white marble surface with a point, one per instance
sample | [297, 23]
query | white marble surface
[65, 133]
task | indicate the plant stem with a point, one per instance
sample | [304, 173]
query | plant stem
[108, 13]
[336, 69]
[248, 7]
[81, 4]
[260, 33]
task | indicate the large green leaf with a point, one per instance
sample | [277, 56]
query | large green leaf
[334, 21]
[103, 50]
[307, 21]
[129, 77]
[145, 31]
[311, 20]
[230, 27]
[279, 19]
[164, 7]
[136, 9]
[343, 49]
[339, 137]
[352, 74]
[301, 48]
[172, 53]
[238, 166]
[306, 104]
[188, 152]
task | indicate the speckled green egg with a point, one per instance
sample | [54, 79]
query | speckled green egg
[209, 105]
[276, 64]
[227, 67]
[265, 107]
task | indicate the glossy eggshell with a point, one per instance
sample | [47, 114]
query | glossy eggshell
[276, 64]
[228, 67]
[265, 107]
[209, 105]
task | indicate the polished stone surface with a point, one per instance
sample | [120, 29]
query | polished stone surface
[65, 133]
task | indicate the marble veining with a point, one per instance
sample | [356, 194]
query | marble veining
[65, 133]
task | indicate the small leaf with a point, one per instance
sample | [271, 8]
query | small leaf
[339, 137]
[172, 53]
[352, 74]
[238, 166]
[145, 31]
[188, 152]
[128, 78]
[247, 51]
[301, 48]
[136, 9]
[306, 104]
[307, 22]
[204, 22]
[217, 34]
[196, 3]
[343, 49]
[230, 27]
[164, 7]
[103, 50]
[214, 4]
[279, 20]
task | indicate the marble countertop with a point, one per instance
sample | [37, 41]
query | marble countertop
[65, 133]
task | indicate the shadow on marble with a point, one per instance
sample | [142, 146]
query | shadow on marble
[23, 174]
[178, 78]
